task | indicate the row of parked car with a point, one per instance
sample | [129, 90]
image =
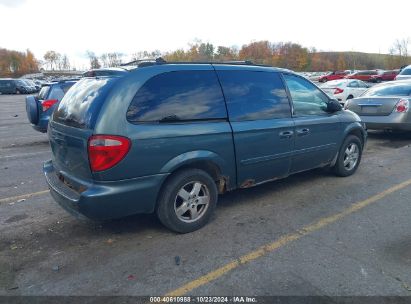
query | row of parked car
[375, 76]
[168, 138]
[25, 85]
[19, 86]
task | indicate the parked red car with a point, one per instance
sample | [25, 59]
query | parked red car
[384, 76]
[333, 76]
[363, 75]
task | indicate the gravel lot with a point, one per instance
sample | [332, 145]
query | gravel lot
[309, 234]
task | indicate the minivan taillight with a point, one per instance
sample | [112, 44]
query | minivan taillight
[105, 151]
[402, 106]
[47, 104]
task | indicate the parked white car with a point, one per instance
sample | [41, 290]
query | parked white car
[344, 89]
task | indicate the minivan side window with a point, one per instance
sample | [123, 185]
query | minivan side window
[178, 96]
[254, 95]
[307, 98]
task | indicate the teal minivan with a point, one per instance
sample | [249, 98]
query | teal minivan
[170, 137]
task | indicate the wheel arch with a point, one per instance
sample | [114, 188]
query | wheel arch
[207, 161]
[355, 129]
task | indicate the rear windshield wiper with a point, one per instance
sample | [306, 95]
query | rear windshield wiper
[170, 118]
[72, 122]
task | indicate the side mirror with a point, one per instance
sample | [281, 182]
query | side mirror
[333, 106]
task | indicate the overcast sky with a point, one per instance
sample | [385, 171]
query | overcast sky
[75, 26]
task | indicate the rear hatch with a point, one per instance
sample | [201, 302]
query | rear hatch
[373, 106]
[72, 124]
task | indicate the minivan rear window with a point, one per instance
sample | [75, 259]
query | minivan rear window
[82, 103]
[178, 96]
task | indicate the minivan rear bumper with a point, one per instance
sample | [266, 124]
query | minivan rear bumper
[105, 200]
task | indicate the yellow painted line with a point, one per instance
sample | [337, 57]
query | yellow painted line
[282, 241]
[24, 196]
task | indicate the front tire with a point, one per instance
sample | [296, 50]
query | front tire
[349, 156]
[187, 201]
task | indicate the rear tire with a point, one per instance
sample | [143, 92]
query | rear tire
[349, 156]
[17, 92]
[187, 201]
[350, 97]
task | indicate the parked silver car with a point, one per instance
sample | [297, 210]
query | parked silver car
[404, 74]
[384, 106]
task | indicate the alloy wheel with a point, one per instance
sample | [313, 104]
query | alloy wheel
[351, 155]
[192, 201]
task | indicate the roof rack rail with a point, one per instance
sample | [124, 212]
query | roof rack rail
[155, 61]
[145, 62]
[234, 62]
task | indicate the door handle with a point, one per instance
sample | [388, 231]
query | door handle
[302, 132]
[286, 134]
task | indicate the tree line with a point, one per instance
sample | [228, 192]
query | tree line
[288, 55]
[14, 63]
[295, 57]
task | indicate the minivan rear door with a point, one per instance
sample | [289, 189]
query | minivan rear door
[260, 116]
[72, 124]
